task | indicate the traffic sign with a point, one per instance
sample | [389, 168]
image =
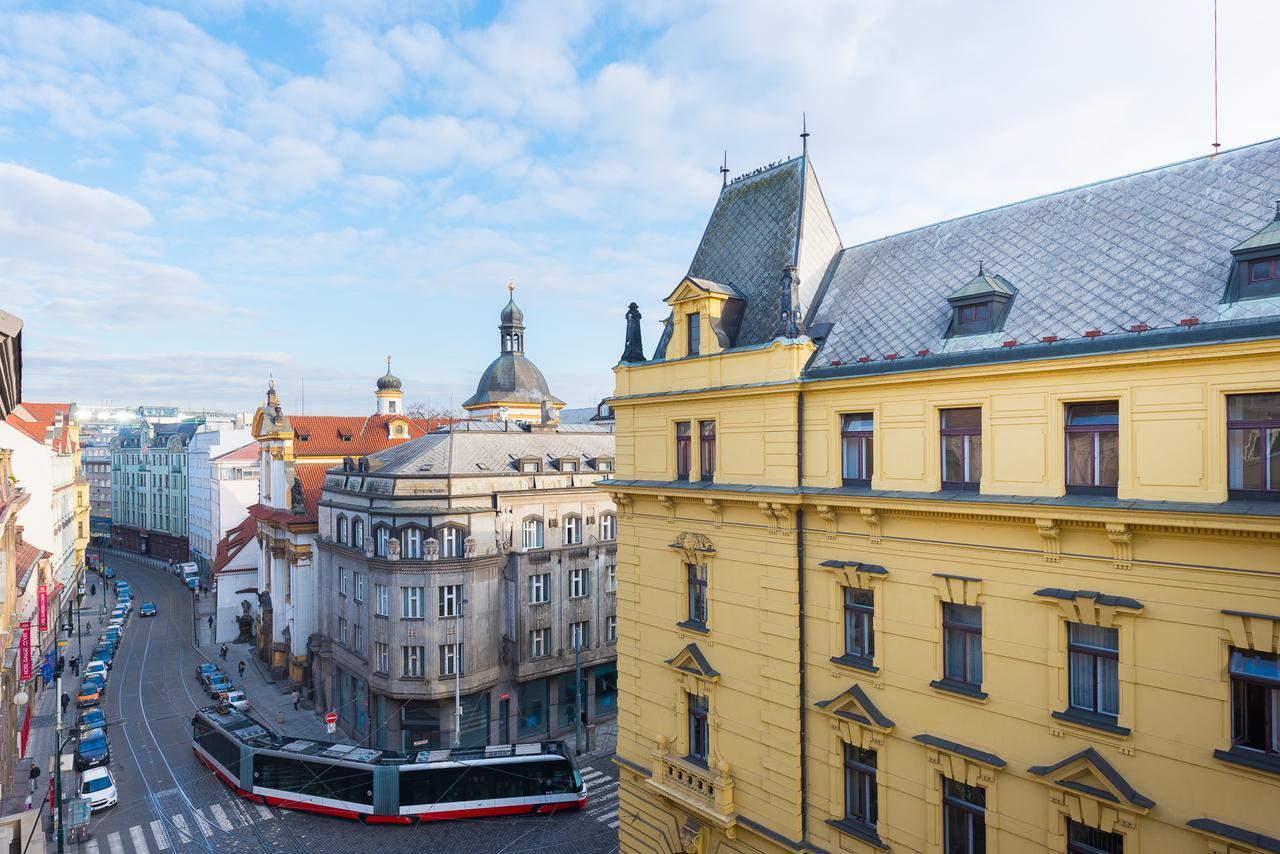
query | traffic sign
[331, 722]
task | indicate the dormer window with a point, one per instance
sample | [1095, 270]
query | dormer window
[1263, 279]
[1255, 271]
[980, 306]
[568, 465]
[694, 326]
[530, 465]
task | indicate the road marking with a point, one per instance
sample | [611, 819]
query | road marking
[220, 816]
[115, 843]
[184, 832]
[602, 812]
[263, 812]
[591, 774]
[614, 823]
[139, 839]
[206, 826]
[162, 838]
[90, 847]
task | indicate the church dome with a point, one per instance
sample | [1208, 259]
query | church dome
[388, 381]
[511, 314]
[511, 378]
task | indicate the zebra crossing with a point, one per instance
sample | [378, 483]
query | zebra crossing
[160, 835]
[602, 794]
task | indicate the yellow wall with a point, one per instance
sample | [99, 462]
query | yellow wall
[1184, 567]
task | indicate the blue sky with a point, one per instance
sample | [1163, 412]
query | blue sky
[196, 195]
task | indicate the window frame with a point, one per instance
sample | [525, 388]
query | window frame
[863, 442]
[449, 601]
[381, 541]
[451, 660]
[693, 333]
[706, 450]
[1094, 487]
[1270, 437]
[539, 643]
[611, 629]
[580, 634]
[382, 600]
[571, 527]
[1240, 681]
[532, 529]
[407, 657]
[451, 538]
[973, 814]
[1247, 287]
[357, 533]
[1078, 846]
[698, 600]
[965, 434]
[543, 585]
[698, 711]
[611, 578]
[342, 533]
[411, 540]
[608, 527]
[859, 618]
[406, 598]
[684, 450]
[579, 583]
[1095, 654]
[861, 783]
[955, 630]
[382, 657]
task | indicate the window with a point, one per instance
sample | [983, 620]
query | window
[531, 534]
[856, 447]
[342, 530]
[568, 465]
[357, 639]
[860, 797]
[1264, 270]
[699, 734]
[578, 583]
[859, 619]
[411, 599]
[343, 637]
[964, 818]
[580, 635]
[1094, 668]
[382, 600]
[530, 466]
[382, 657]
[611, 578]
[1263, 279]
[961, 448]
[572, 530]
[413, 661]
[1253, 445]
[1083, 839]
[694, 326]
[539, 588]
[604, 465]
[451, 600]
[381, 539]
[611, 629]
[451, 659]
[684, 438]
[357, 582]
[962, 644]
[1255, 701]
[450, 541]
[608, 527]
[357, 533]
[1093, 447]
[707, 449]
[697, 575]
[411, 544]
[342, 582]
[540, 643]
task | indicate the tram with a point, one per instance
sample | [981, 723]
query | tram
[383, 786]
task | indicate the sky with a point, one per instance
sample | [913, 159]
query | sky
[197, 196]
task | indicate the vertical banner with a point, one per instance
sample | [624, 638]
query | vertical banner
[24, 651]
[42, 608]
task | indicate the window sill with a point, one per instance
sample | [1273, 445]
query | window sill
[1253, 494]
[856, 662]
[1108, 491]
[695, 626]
[853, 481]
[960, 486]
[1249, 759]
[962, 689]
[1101, 723]
[382, 616]
[413, 619]
[858, 831]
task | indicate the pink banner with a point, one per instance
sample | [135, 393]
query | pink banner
[42, 608]
[24, 651]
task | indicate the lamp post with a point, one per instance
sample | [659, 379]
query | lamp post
[457, 675]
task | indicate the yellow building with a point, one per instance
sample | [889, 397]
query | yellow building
[965, 539]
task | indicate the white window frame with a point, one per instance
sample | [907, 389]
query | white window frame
[540, 583]
[611, 629]
[450, 600]
[451, 659]
[342, 582]
[382, 653]
[411, 544]
[413, 664]
[381, 541]
[450, 541]
[539, 643]
[382, 596]
[411, 602]
[580, 635]
[531, 533]
[608, 527]
[572, 530]
[357, 585]
[611, 578]
[579, 583]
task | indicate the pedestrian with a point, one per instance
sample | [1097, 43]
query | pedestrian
[66, 701]
[296, 697]
[93, 590]
[223, 652]
[241, 669]
[35, 775]
[211, 622]
[75, 666]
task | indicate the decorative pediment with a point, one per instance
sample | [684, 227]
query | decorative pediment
[693, 288]
[1257, 632]
[1087, 773]
[690, 660]
[852, 573]
[1089, 606]
[854, 705]
[696, 547]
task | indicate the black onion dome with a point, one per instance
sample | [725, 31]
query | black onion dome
[511, 378]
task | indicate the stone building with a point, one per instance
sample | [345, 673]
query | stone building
[149, 488]
[963, 539]
[97, 471]
[217, 489]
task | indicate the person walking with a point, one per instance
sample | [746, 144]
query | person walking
[240, 668]
[296, 697]
[211, 622]
[66, 701]
[223, 652]
[34, 775]
[93, 590]
[75, 666]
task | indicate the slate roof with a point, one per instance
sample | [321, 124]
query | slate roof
[348, 436]
[511, 378]
[1151, 248]
[494, 451]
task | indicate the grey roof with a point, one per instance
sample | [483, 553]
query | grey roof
[1104, 768]
[497, 450]
[1268, 235]
[579, 415]
[716, 287]
[985, 284]
[511, 377]
[1151, 248]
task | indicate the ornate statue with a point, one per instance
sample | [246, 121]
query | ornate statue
[469, 547]
[393, 548]
[368, 546]
[244, 622]
[791, 326]
[633, 349]
[433, 549]
[296, 504]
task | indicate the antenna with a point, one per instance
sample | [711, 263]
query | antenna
[804, 133]
[1217, 141]
[724, 170]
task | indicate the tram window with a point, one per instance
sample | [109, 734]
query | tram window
[221, 748]
[318, 779]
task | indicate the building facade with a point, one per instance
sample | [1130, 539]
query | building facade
[964, 539]
[293, 454]
[205, 501]
[149, 488]
[96, 460]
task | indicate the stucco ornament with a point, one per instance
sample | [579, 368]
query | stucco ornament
[393, 549]
[368, 546]
[687, 541]
[469, 547]
[433, 549]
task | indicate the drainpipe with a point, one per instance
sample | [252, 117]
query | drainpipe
[804, 746]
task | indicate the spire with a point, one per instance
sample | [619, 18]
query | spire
[511, 323]
[389, 381]
[633, 350]
[273, 399]
[724, 174]
[804, 135]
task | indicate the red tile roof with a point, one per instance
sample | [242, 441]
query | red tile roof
[247, 454]
[28, 558]
[34, 419]
[312, 477]
[349, 436]
[234, 542]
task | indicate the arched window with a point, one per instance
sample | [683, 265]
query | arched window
[380, 540]
[572, 530]
[411, 544]
[531, 533]
[343, 532]
[357, 533]
[608, 526]
[450, 541]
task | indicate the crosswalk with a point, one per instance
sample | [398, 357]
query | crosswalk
[160, 835]
[602, 797]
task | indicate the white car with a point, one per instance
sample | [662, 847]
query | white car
[99, 787]
[238, 700]
[96, 668]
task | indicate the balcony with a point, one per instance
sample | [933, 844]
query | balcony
[706, 792]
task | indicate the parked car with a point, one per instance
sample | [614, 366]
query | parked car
[97, 666]
[238, 700]
[89, 696]
[99, 787]
[93, 719]
[108, 573]
[113, 635]
[219, 685]
[148, 609]
[204, 671]
[100, 682]
[92, 749]
[105, 654]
